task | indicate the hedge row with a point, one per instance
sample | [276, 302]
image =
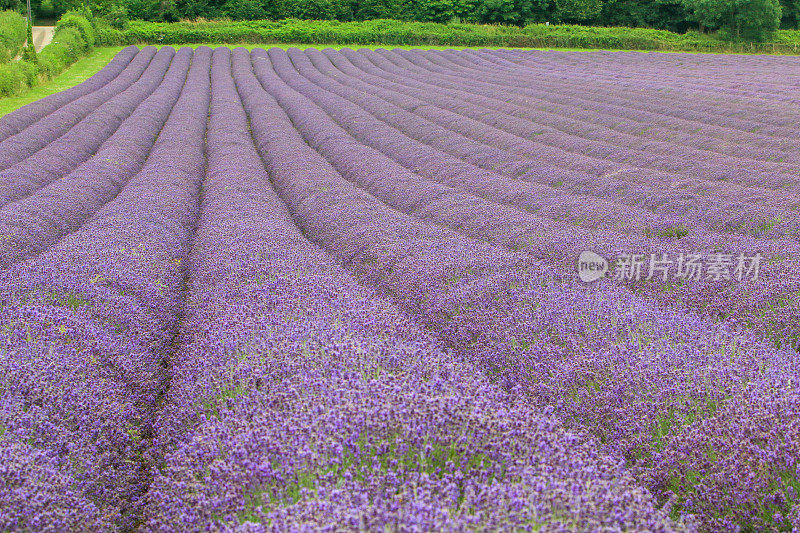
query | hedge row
[73, 38]
[393, 32]
[13, 32]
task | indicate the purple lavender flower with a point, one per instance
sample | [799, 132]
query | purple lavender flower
[335, 290]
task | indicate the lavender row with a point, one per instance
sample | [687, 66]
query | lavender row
[720, 207]
[765, 79]
[746, 94]
[24, 117]
[623, 103]
[517, 115]
[36, 222]
[553, 111]
[87, 323]
[749, 107]
[762, 305]
[728, 71]
[35, 137]
[303, 400]
[654, 71]
[76, 146]
[550, 340]
[555, 243]
[666, 101]
[497, 123]
[619, 218]
[646, 123]
[392, 183]
[440, 166]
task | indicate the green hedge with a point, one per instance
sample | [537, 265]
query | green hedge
[13, 32]
[380, 31]
[73, 19]
[15, 76]
[67, 47]
[73, 38]
[393, 32]
[107, 35]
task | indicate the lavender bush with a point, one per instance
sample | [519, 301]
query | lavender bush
[288, 290]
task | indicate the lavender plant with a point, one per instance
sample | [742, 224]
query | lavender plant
[336, 290]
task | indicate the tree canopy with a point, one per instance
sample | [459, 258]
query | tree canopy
[738, 19]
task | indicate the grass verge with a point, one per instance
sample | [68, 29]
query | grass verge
[81, 70]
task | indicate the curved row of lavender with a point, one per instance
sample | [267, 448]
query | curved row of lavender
[350, 301]
[649, 382]
[29, 229]
[753, 302]
[30, 140]
[67, 151]
[715, 203]
[86, 327]
[300, 399]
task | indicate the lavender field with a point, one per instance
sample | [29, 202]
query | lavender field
[350, 290]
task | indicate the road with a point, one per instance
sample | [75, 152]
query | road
[42, 36]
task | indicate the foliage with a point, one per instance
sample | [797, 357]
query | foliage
[394, 32]
[518, 12]
[60, 7]
[106, 34]
[74, 36]
[15, 76]
[659, 14]
[158, 10]
[13, 30]
[791, 14]
[576, 11]
[376, 9]
[244, 10]
[10, 5]
[116, 15]
[29, 52]
[753, 20]
[78, 21]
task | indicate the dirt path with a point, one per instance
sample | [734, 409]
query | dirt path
[42, 36]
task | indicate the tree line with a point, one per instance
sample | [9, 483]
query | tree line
[736, 19]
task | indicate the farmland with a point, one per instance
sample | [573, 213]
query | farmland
[348, 290]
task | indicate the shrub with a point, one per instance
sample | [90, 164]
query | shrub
[66, 48]
[78, 21]
[13, 32]
[106, 35]
[12, 78]
[395, 32]
[69, 44]
[15, 76]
